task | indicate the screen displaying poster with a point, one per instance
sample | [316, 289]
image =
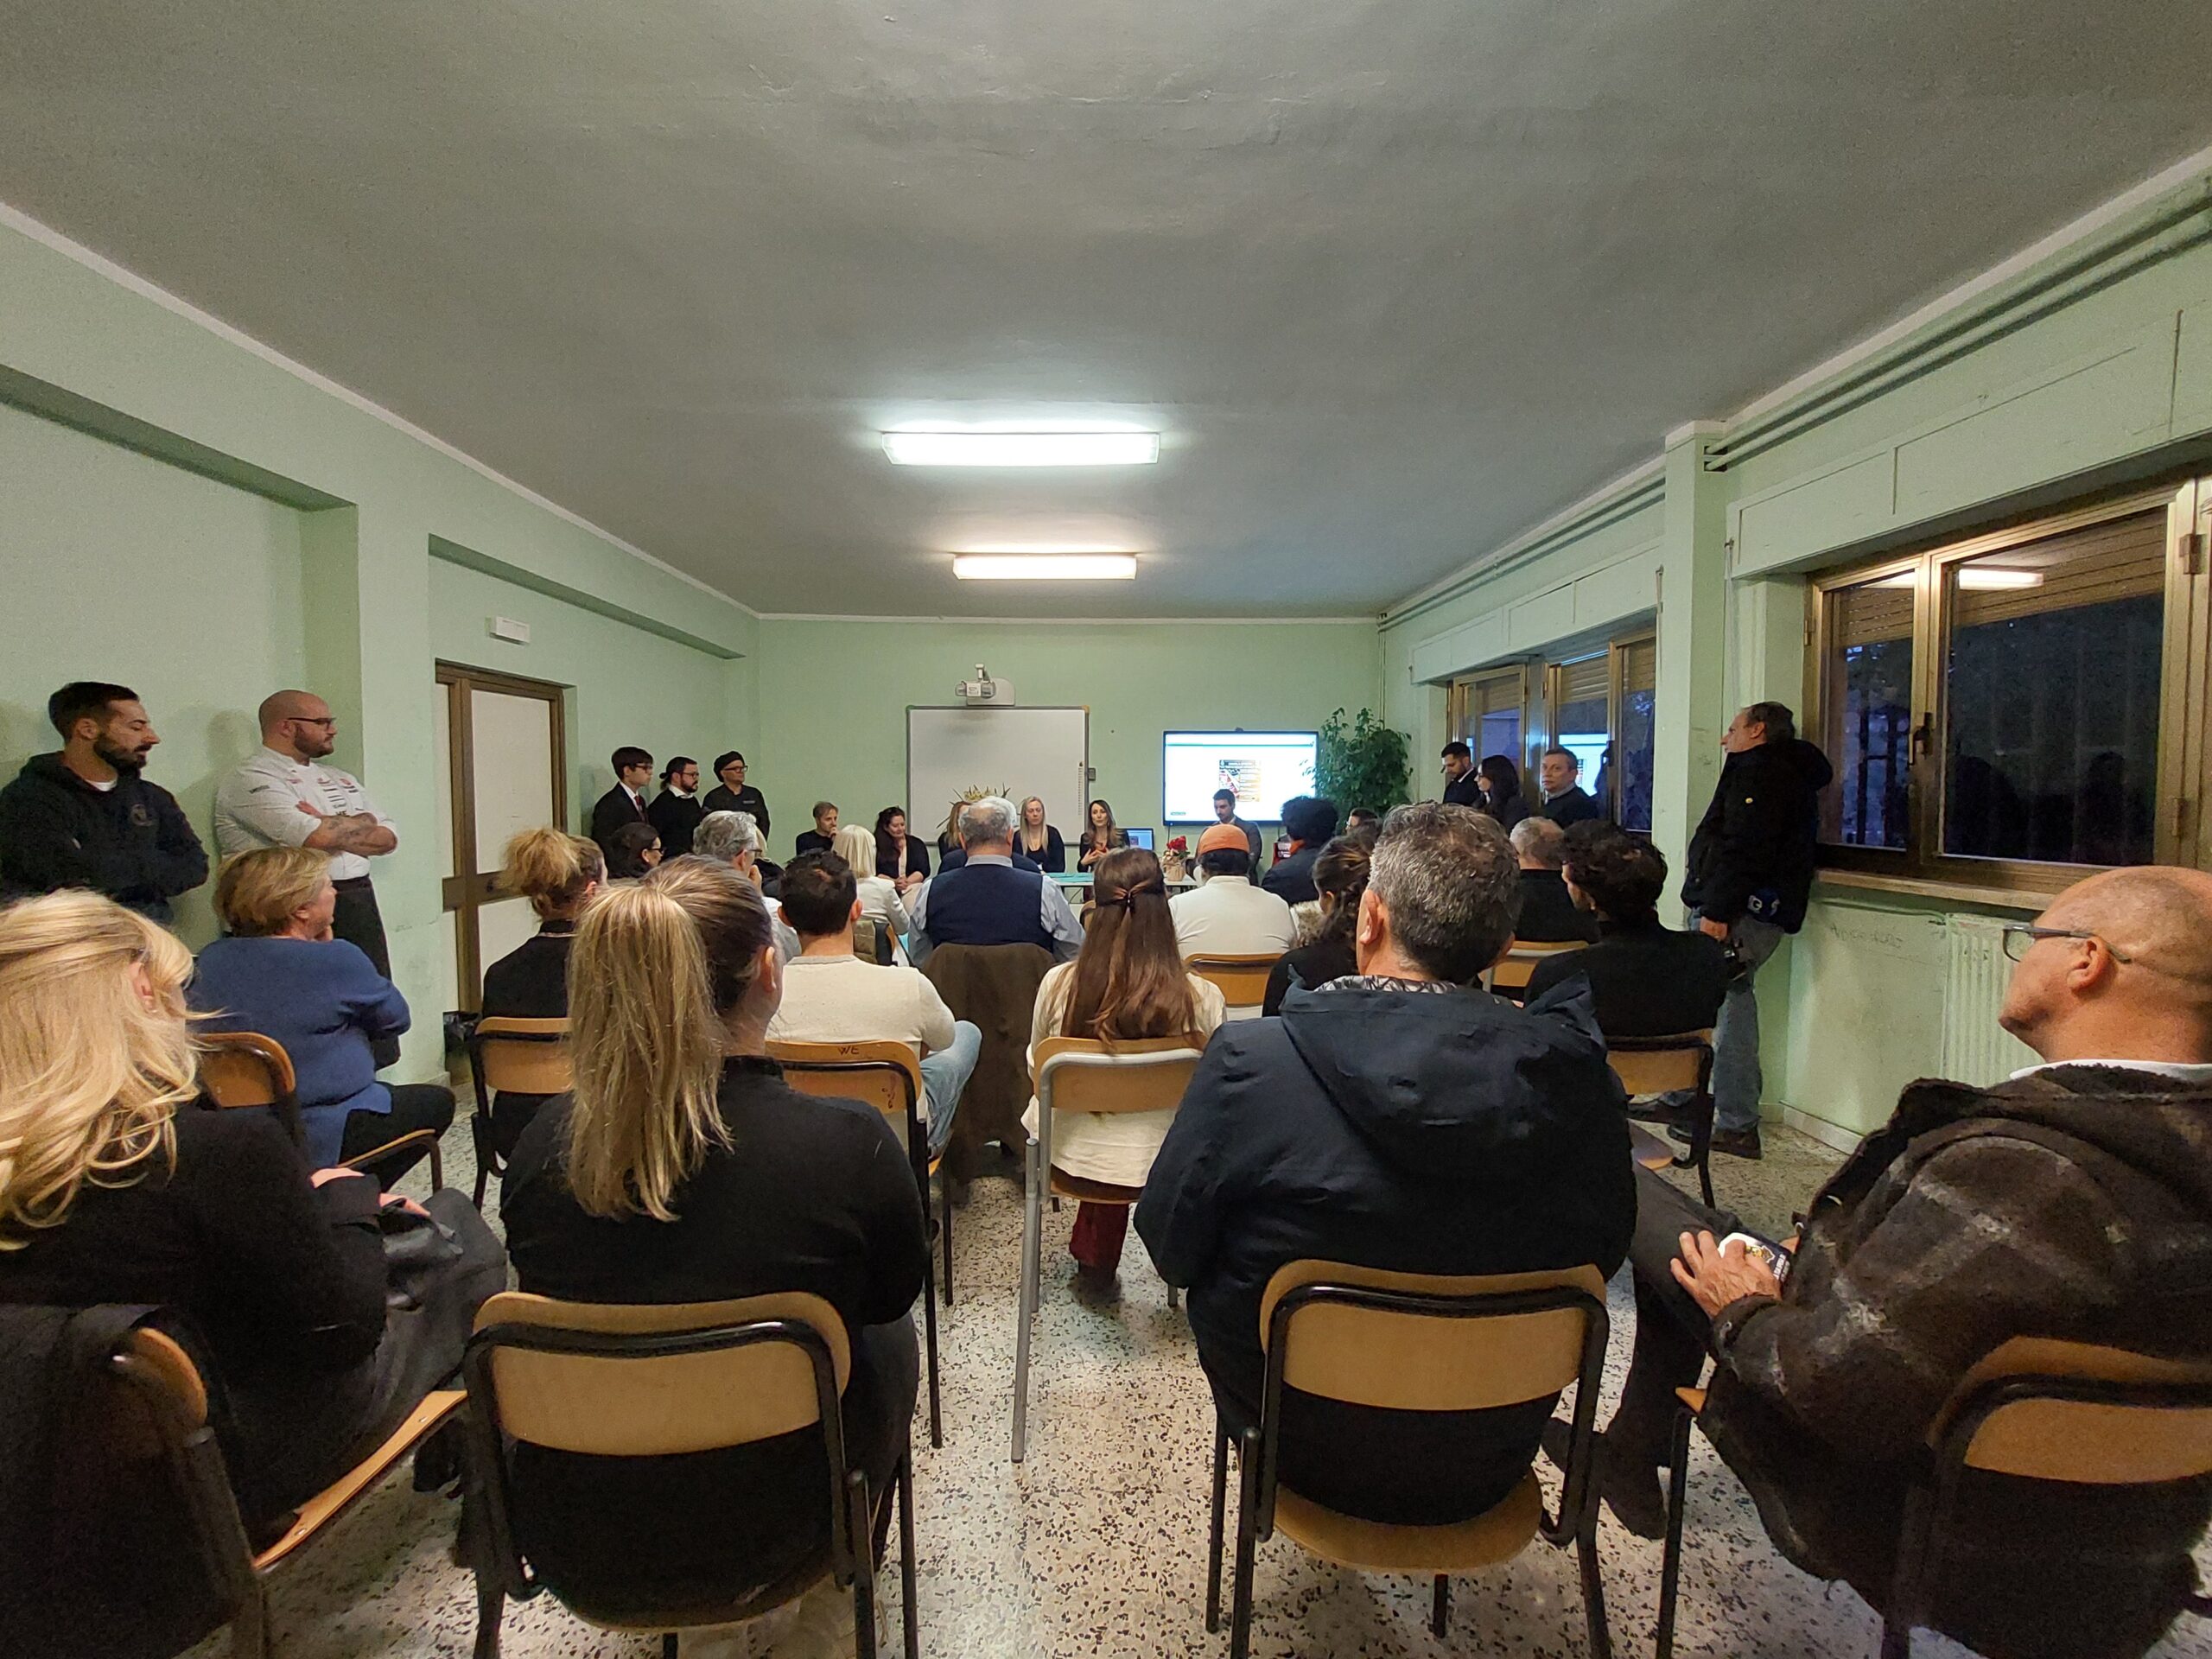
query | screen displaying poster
[1264, 768]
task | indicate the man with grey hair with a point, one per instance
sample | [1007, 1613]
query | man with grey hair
[734, 839]
[1547, 912]
[956, 855]
[988, 899]
[1400, 1118]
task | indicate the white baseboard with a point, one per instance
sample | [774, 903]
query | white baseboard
[1832, 1135]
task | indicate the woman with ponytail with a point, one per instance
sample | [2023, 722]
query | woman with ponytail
[1128, 983]
[682, 1168]
[559, 874]
[1339, 876]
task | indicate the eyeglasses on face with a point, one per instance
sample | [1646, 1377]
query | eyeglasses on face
[2021, 936]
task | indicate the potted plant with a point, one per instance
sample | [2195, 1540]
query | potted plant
[1362, 762]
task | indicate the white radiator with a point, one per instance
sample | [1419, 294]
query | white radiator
[1976, 1049]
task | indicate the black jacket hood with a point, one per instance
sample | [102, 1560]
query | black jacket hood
[1438, 1080]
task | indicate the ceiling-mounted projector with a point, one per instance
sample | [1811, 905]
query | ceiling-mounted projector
[984, 690]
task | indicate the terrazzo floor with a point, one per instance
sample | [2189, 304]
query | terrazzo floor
[1095, 1546]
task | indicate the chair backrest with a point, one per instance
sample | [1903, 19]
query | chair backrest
[864, 939]
[1427, 1342]
[243, 1068]
[640, 1380]
[885, 1074]
[523, 1056]
[1519, 966]
[1661, 1065]
[2077, 1411]
[167, 1379]
[1081, 1074]
[1241, 981]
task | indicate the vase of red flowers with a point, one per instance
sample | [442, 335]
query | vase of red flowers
[1175, 858]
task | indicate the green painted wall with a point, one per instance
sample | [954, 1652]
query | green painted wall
[120, 568]
[834, 696]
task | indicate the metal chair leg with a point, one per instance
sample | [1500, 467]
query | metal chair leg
[480, 1131]
[929, 1333]
[1439, 1606]
[862, 1508]
[1896, 1642]
[1594, 1586]
[1704, 1178]
[1670, 1563]
[1213, 1538]
[249, 1624]
[906, 1553]
[1032, 1226]
[945, 1222]
[1248, 1507]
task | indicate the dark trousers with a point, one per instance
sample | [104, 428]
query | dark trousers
[414, 1106]
[1671, 1327]
[357, 921]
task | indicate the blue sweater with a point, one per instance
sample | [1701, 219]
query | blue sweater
[324, 1001]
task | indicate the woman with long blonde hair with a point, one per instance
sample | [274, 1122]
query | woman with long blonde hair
[683, 1168]
[1126, 984]
[879, 895]
[117, 1187]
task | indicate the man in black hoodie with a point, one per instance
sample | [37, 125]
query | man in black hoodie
[83, 817]
[2073, 1201]
[1397, 1119]
[1749, 873]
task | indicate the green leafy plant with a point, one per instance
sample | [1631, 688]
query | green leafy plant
[1363, 762]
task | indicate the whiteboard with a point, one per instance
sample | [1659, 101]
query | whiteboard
[1043, 752]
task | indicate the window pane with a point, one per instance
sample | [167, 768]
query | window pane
[1500, 733]
[1582, 718]
[1867, 704]
[2051, 697]
[1639, 699]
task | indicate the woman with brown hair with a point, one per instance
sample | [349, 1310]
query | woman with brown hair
[559, 874]
[115, 1188]
[1339, 876]
[683, 1168]
[1128, 983]
[1101, 836]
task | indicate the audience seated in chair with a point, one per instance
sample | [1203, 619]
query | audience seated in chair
[1646, 979]
[1548, 913]
[832, 997]
[1340, 876]
[1309, 823]
[558, 873]
[280, 973]
[987, 899]
[879, 894]
[1226, 915]
[1402, 1121]
[1128, 984]
[682, 1168]
[2074, 1201]
[734, 839]
[116, 1188]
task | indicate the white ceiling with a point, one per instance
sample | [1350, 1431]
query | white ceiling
[1395, 277]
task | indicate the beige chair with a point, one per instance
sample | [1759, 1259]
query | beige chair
[887, 1076]
[1075, 1074]
[172, 1397]
[627, 1380]
[1417, 1342]
[1670, 1066]
[2035, 1409]
[511, 1056]
[1241, 981]
[241, 1069]
[1512, 973]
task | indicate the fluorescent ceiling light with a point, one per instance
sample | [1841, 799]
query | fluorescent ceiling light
[1021, 448]
[1046, 567]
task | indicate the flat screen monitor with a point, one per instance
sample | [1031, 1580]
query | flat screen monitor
[1264, 768]
[1140, 838]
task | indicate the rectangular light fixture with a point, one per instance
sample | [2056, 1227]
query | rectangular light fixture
[1021, 448]
[1046, 567]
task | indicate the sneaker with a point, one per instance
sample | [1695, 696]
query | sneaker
[1738, 1143]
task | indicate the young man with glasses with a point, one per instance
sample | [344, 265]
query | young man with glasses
[2072, 1201]
[282, 795]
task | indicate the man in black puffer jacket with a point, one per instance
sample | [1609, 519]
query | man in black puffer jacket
[84, 815]
[1749, 873]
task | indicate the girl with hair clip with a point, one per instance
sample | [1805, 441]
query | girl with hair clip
[683, 1168]
[559, 874]
[1340, 876]
[1128, 983]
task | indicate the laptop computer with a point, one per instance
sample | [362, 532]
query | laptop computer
[1140, 838]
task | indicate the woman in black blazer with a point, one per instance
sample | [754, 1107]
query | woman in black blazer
[683, 1168]
[1500, 782]
[1037, 840]
[1101, 836]
[898, 854]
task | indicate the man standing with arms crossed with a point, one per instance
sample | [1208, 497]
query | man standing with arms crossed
[1750, 872]
[282, 796]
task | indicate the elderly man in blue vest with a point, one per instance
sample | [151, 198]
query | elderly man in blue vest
[987, 900]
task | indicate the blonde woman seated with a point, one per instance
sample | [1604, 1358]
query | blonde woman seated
[683, 1168]
[281, 974]
[879, 894]
[1126, 984]
[558, 873]
[115, 1187]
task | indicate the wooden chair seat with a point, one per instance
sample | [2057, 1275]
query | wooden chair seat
[1065, 1186]
[333, 1499]
[1497, 1535]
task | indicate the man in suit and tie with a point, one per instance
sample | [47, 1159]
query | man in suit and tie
[626, 801]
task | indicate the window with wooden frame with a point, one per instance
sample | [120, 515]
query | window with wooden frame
[1489, 712]
[2015, 710]
[1601, 709]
